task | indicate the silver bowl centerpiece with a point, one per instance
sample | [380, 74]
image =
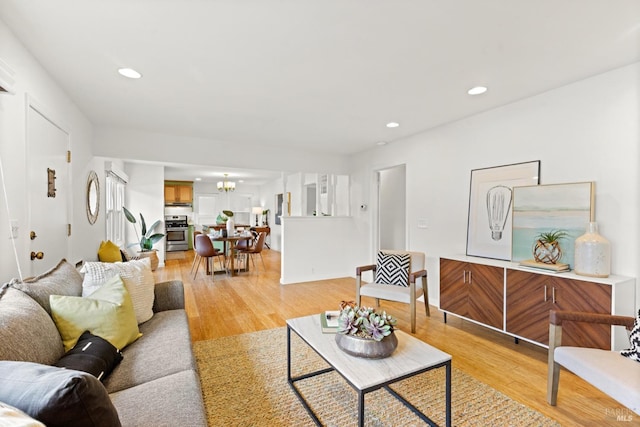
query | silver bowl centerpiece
[364, 333]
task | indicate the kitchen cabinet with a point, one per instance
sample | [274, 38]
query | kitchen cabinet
[530, 297]
[517, 300]
[176, 193]
[473, 291]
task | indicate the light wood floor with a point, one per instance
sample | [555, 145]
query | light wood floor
[256, 301]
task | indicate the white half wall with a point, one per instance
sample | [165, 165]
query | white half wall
[317, 248]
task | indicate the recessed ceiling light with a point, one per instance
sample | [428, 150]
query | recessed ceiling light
[393, 125]
[381, 143]
[130, 73]
[478, 90]
[198, 179]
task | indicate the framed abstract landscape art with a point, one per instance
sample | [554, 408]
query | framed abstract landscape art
[546, 208]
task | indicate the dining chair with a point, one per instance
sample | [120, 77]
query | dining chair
[195, 255]
[251, 251]
[204, 248]
[396, 275]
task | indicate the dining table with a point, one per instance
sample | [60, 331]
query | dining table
[231, 241]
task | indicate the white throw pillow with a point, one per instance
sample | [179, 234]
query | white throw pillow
[12, 417]
[137, 278]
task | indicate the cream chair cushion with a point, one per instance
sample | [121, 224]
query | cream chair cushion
[393, 292]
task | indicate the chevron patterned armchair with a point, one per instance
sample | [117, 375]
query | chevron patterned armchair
[398, 276]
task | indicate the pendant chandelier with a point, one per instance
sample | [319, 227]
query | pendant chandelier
[226, 185]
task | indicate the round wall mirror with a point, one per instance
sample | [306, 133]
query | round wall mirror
[93, 197]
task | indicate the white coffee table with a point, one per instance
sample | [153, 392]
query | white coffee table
[412, 357]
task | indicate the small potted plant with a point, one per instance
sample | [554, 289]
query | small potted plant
[365, 333]
[547, 246]
[146, 237]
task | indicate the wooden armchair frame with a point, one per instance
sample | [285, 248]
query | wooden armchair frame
[556, 318]
[413, 276]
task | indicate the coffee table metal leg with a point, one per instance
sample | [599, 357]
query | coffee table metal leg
[292, 380]
[448, 393]
[360, 408]
[289, 354]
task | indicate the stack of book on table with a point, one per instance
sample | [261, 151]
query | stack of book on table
[558, 267]
[329, 321]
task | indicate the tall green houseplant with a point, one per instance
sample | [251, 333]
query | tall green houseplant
[147, 237]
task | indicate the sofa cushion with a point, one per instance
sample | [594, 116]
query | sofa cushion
[633, 352]
[107, 313]
[93, 355]
[393, 268]
[63, 279]
[164, 349]
[109, 252]
[174, 400]
[135, 274]
[55, 396]
[27, 333]
[14, 417]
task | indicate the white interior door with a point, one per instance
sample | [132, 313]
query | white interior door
[392, 210]
[48, 188]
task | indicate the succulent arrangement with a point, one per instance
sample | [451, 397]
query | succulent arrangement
[364, 322]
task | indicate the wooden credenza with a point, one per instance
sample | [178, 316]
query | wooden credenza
[516, 301]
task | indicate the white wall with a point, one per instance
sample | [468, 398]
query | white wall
[148, 146]
[145, 195]
[33, 81]
[586, 131]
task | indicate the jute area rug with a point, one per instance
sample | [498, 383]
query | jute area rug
[244, 383]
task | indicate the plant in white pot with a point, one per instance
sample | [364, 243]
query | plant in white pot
[146, 237]
[231, 225]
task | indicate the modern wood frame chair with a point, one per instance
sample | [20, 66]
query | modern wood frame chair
[204, 249]
[407, 295]
[195, 255]
[610, 372]
[251, 251]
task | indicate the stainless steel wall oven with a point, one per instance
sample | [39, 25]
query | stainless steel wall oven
[176, 233]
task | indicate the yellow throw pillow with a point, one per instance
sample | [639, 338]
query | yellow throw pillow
[109, 252]
[107, 313]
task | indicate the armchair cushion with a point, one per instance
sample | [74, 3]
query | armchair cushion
[633, 353]
[393, 268]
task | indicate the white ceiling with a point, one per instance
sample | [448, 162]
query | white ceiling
[316, 74]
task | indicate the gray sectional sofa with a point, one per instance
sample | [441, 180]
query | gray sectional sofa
[155, 384]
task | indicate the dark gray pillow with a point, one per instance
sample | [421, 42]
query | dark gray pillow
[56, 396]
[93, 355]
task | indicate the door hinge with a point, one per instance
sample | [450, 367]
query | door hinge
[68, 156]
[68, 229]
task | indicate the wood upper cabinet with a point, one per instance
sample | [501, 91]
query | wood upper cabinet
[176, 193]
[473, 291]
[530, 297]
